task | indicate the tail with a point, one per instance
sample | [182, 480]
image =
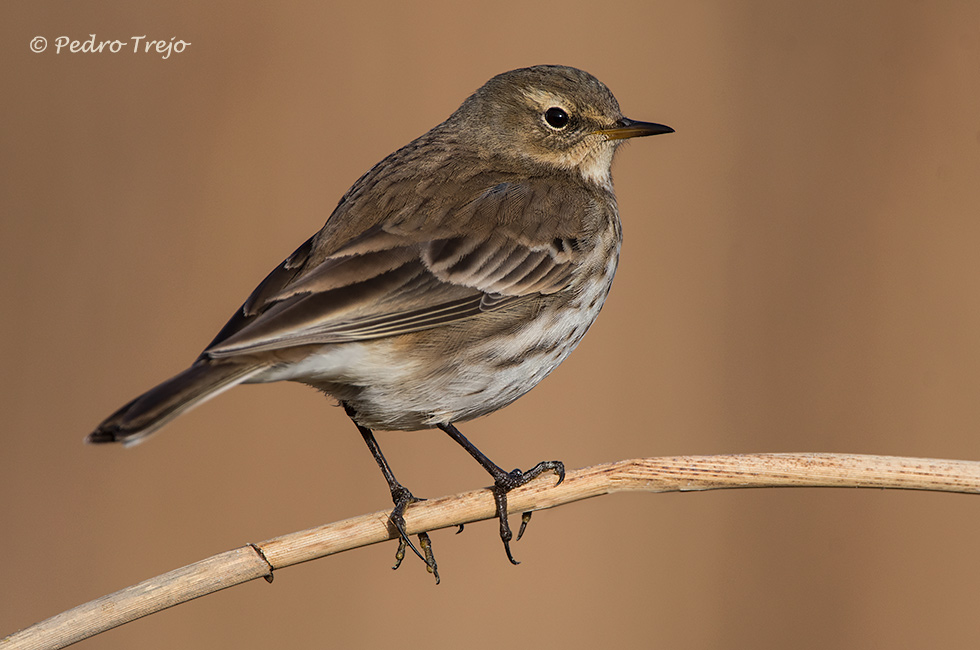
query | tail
[144, 415]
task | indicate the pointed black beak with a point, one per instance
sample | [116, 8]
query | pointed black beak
[627, 128]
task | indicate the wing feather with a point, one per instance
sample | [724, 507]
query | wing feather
[394, 278]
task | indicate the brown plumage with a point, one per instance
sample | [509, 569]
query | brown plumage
[449, 280]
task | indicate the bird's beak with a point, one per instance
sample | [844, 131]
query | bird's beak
[627, 128]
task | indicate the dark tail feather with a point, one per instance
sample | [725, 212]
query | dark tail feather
[158, 406]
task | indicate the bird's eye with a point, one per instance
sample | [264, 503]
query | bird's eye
[556, 117]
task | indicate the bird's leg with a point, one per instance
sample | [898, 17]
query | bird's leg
[504, 482]
[402, 498]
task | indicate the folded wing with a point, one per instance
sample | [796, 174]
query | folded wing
[406, 275]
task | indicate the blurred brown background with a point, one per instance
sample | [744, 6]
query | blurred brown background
[800, 273]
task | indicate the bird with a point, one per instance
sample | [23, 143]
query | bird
[450, 279]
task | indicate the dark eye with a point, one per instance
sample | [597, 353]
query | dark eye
[556, 117]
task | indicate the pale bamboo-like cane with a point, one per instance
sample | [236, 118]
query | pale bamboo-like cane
[680, 473]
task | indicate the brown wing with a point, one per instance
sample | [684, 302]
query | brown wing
[401, 276]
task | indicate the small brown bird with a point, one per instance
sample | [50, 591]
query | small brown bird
[450, 279]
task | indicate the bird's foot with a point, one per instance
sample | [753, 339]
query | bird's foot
[507, 481]
[402, 498]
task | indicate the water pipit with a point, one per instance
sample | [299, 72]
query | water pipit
[451, 278]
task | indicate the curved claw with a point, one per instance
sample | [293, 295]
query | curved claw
[555, 466]
[525, 519]
[510, 556]
[500, 499]
[400, 553]
[430, 558]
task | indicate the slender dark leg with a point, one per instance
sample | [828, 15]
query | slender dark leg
[402, 498]
[504, 482]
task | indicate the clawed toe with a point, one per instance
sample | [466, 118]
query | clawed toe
[403, 498]
[507, 481]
